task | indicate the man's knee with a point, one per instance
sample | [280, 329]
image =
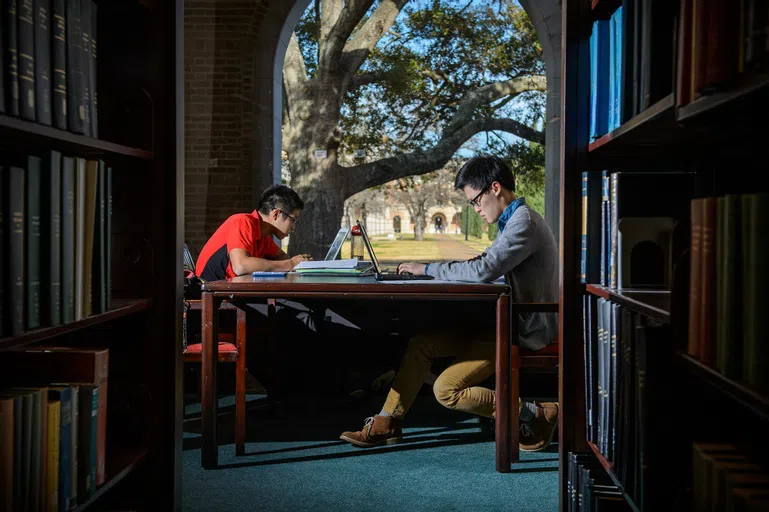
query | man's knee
[422, 344]
[446, 392]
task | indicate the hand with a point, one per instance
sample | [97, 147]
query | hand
[417, 269]
[300, 258]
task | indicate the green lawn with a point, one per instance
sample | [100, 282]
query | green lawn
[405, 248]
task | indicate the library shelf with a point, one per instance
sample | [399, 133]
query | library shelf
[641, 133]
[654, 304]
[119, 466]
[733, 102]
[120, 308]
[610, 471]
[33, 135]
[735, 390]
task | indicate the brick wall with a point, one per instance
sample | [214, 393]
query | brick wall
[218, 72]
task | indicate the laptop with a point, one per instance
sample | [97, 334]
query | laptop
[384, 276]
[336, 245]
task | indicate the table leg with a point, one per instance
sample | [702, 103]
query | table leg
[209, 401]
[240, 385]
[504, 384]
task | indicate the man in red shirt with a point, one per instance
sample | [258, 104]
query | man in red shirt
[243, 243]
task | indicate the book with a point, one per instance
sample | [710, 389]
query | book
[25, 10]
[59, 63]
[43, 62]
[32, 241]
[351, 264]
[10, 25]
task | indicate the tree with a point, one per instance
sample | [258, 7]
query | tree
[408, 85]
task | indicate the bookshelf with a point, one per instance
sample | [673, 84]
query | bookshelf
[138, 75]
[714, 130]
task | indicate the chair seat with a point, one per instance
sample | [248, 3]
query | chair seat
[227, 351]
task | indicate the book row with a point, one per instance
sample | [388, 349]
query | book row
[53, 427]
[725, 478]
[589, 486]
[54, 240]
[728, 278]
[634, 227]
[631, 62]
[626, 357]
[721, 41]
[48, 63]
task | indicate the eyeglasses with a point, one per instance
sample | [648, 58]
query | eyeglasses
[293, 219]
[475, 202]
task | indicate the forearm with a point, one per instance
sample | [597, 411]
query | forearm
[251, 264]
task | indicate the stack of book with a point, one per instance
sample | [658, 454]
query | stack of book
[53, 427]
[54, 239]
[348, 267]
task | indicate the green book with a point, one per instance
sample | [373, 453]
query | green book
[755, 254]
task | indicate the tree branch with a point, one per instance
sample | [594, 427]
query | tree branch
[357, 49]
[490, 93]
[371, 174]
[294, 73]
[337, 24]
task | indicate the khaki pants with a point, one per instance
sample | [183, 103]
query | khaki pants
[457, 386]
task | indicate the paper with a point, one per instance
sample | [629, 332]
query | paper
[348, 263]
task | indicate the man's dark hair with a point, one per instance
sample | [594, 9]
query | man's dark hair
[481, 171]
[280, 197]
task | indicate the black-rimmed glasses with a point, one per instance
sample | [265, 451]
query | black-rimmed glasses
[293, 219]
[475, 202]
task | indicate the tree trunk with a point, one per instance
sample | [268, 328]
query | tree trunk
[419, 227]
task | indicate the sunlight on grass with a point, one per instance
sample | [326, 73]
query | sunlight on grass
[405, 248]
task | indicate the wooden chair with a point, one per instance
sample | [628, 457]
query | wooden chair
[544, 360]
[232, 349]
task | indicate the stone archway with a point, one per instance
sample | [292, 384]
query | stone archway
[233, 103]
[438, 223]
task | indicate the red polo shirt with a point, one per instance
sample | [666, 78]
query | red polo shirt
[240, 231]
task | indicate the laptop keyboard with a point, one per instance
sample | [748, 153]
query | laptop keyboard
[402, 277]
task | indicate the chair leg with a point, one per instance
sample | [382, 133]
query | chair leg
[240, 385]
[515, 395]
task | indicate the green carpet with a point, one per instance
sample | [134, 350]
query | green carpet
[294, 461]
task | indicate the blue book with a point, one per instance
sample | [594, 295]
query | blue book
[593, 80]
[64, 395]
[602, 78]
[618, 52]
[612, 75]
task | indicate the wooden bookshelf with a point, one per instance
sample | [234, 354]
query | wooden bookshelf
[728, 103]
[735, 390]
[609, 467]
[120, 308]
[119, 466]
[641, 134]
[139, 85]
[604, 8]
[721, 139]
[27, 135]
[651, 303]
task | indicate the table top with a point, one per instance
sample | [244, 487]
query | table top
[316, 283]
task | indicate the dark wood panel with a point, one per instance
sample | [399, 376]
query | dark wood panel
[19, 135]
[121, 308]
[738, 392]
[735, 101]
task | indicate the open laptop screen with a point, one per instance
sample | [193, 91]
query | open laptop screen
[336, 245]
[369, 248]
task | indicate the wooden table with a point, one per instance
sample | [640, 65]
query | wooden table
[244, 289]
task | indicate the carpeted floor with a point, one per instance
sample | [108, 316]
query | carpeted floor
[295, 462]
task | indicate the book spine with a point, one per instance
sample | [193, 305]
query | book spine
[613, 226]
[73, 475]
[52, 222]
[618, 51]
[108, 240]
[88, 407]
[683, 79]
[98, 267]
[695, 278]
[43, 62]
[59, 53]
[26, 27]
[2, 58]
[68, 240]
[65, 451]
[594, 80]
[11, 30]
[80, 207]
[32, 249]
[93, 75]
[708, 282]
[85, 63]
[54, 456]
[16, 227]
[583, 248]
[731, 328]
[3, 244]
[75, 107]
